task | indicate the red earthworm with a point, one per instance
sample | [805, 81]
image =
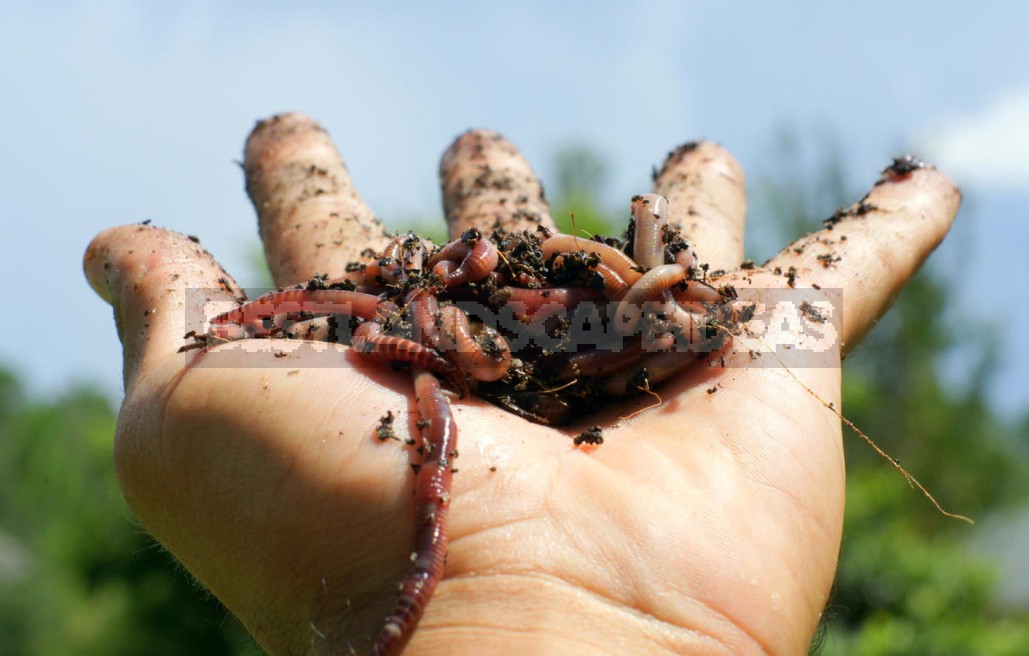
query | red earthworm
[445, 270]
[415, 253]
[404, 254]
[370, 344]
[603, 361]
[424, 310]
[615, 286]
[524, 279]
[499, 278]
[388, 267]
[432, 504]
[477, 255]
[685, 258]
[454, 251]
[697, 290]
[468, 353]
[647, 289]
[599, 362]
[387, 310]
[688, 322]
[650, 214]
[653, 369]
[262, 316]
[612, 257]
[527, 303]
[672, 357]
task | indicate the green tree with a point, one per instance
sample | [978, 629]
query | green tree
[77, 574]
[907, 582]
[580, 174]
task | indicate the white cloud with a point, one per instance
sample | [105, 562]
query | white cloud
[988, 148]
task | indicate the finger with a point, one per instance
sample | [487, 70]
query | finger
[311, 217]
[704, 186]
[488, 185]
[871, 249]
[159, 283]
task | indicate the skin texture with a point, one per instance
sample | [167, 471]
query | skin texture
[305, 198]
[487, 184]
[704, 186]
[708, 525]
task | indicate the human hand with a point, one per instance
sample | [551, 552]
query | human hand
[709, 524]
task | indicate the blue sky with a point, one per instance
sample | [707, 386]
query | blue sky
[115, 112]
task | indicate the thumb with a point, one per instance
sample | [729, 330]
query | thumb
[159, 283]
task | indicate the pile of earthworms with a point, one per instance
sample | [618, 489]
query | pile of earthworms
[548, 326]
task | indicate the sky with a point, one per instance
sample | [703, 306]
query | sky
[116, 112]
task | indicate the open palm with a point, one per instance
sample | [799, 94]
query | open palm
[708, 524]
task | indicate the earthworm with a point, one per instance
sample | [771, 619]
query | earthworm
[252, 319]
[649, 371]
[647, 289]
[615, 286]
[524, 279]
[468, 353]
[370, 344]
[477, 255]
[415, 252]
[612, 257]
[446, 270]
[520, 278]
[685, 258]
[527, 303]
[650, 214]
[386, 311]
[403, 256]
[432, 504]
[598, 362]
[603, 361]
[697, 290]
[424, 310]
[674, 315]
[388, 267]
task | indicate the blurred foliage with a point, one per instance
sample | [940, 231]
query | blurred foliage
[79, 576]
[580, 174]
[907, 582]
